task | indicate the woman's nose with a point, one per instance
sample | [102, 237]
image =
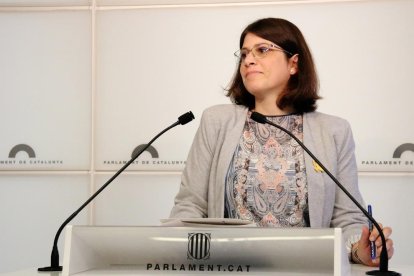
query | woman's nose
[249, 59]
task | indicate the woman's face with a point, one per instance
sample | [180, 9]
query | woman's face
[269, 75]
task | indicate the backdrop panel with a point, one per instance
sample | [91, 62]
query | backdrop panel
[391, 198]
[135, 199]
[32, 208]
[45, 90]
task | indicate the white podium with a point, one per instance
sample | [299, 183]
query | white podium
[98, 250]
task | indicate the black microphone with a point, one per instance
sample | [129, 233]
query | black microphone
[54, 260]
[384, 254]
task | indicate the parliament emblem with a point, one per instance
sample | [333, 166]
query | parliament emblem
[199, 246]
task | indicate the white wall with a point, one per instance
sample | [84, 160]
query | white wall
[83, 83]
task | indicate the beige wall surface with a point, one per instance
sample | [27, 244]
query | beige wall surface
[83, 83]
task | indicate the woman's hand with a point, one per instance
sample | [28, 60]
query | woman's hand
[361, 251]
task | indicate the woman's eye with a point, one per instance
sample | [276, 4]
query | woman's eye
[262, 49]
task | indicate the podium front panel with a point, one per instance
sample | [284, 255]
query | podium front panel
[203, 249]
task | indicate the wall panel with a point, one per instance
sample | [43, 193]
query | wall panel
[135, 199]
[391, 198]
[155, 74]
[45, 90]
[32, 208]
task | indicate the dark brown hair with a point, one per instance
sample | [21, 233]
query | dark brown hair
[302, 89]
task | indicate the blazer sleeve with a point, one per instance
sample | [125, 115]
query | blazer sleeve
[192, 198]
[346, 214]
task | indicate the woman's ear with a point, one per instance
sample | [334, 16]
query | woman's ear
[293, 64]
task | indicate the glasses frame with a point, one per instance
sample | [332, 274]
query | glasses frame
[269, 46]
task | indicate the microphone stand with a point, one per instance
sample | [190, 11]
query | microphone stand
[384, 254]
[54, 259]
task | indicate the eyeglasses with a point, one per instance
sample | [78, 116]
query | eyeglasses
[259, 51]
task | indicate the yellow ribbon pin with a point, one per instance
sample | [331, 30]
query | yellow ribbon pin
[316, 167]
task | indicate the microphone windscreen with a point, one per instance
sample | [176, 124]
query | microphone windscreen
[258, 117]
[186, 118]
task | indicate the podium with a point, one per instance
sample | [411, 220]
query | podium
[146, 250]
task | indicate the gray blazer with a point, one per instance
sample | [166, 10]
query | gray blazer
[330, 139]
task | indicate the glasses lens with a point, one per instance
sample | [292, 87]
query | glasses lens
[261, 50]
[241, 54]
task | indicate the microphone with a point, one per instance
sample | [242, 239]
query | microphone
[384, 254]
[54, 259]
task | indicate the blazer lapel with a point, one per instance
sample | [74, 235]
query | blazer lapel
[228, 147]
[316, 187]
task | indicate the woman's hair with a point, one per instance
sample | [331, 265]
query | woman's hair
[302, 89]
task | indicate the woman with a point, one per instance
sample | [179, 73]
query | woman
[238, 168]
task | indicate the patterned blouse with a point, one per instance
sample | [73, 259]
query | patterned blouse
[266, 181]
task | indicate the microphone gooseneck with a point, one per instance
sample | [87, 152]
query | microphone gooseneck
[54, 259]
[384, 254]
